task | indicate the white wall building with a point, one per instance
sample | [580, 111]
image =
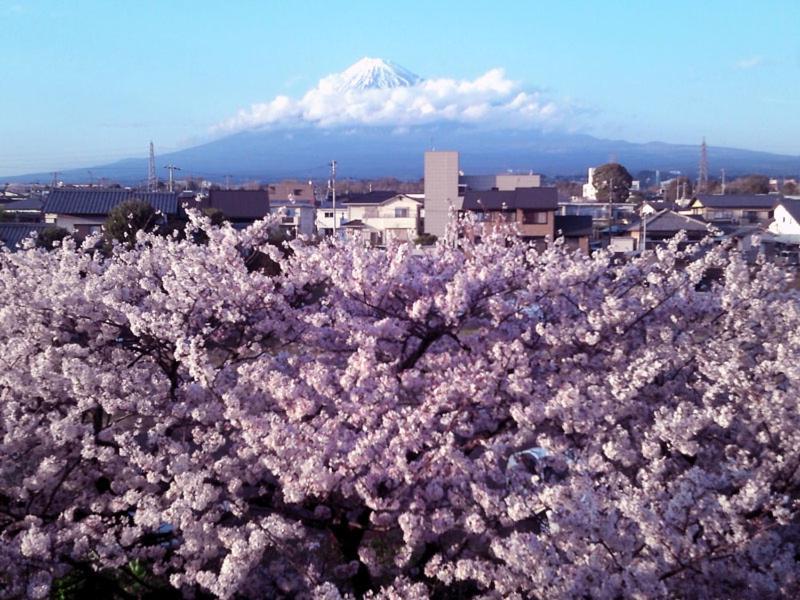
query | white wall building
[787, 219]
[298, 217]
[381, 221]
[589, 191]
[325, 217]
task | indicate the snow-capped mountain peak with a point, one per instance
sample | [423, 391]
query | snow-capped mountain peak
[375, 74]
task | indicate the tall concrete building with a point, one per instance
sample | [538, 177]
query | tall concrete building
[441, 190]
[445, 186]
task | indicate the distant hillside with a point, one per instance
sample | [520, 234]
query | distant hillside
[375, 152]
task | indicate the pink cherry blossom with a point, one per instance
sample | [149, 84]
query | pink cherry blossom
[485, 420]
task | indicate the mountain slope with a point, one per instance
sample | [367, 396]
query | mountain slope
[379, 151]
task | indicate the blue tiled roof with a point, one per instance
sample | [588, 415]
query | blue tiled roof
[761, 201]
[100, 202]
[12, 234]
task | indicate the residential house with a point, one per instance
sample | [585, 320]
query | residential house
[239, 207]
[292, 190]
[781, 241]
[731, 211]
[82, 211]
[651, 206]
[660, 227]
[326, 216]
[533, 210]
[380, 217]
[786, 217]
[575, 229]
[297, 216]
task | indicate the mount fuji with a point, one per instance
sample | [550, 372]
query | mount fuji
[377, 118]
[375, 74]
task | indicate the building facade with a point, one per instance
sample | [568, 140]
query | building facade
[441, 190]
[381, 218]
[446, 187]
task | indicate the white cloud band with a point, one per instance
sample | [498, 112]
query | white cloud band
[492, 98]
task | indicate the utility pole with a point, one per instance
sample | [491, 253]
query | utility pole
[643, 246]
[333, 191]
[171, 168]
[54, 183]
[152, 178]
[227, 182]
[610, 209]
[723, 181]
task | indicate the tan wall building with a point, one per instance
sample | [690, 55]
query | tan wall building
[441, 190]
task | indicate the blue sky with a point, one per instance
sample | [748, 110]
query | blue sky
[87, 82]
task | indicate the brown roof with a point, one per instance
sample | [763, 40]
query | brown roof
[238, 204]
[542, 198]
[296, 190]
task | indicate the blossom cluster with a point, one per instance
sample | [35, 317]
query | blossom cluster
[478, 420]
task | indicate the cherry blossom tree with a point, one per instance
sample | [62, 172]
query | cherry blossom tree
[483, 420]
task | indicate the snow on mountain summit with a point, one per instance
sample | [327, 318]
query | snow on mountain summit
[375, 74]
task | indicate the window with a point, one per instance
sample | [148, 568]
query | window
[720, 215]
[504, 216]
[400, 213]
[328, 215]
[534, 217]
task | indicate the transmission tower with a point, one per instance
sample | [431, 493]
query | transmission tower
[702, 171]
[152, 178]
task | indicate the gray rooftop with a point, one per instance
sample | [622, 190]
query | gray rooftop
[376, 197]
[100, 202]
[760, 201]
[26, 205]
[11, 234]
[668, 221]
[792, 206]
